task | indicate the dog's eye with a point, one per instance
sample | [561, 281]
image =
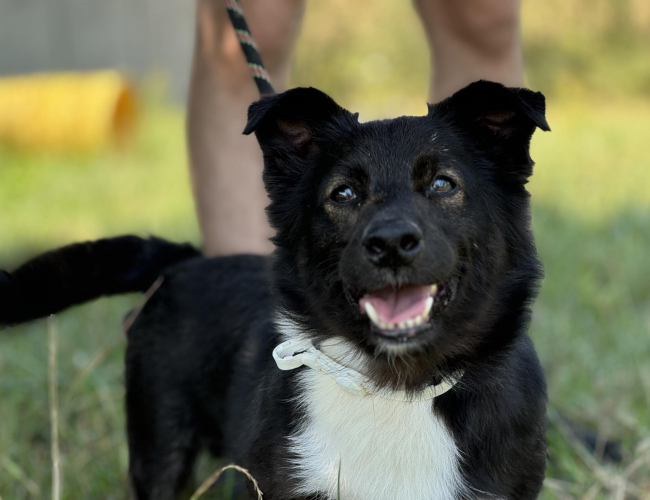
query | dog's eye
[442, 185]
[343, 194]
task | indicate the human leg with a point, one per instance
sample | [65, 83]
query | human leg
[226, 166]
[472, 40]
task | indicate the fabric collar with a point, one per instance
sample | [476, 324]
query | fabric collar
[295, 353]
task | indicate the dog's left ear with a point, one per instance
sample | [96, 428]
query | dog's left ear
[497, 110]
[296, 121]
[500, 120]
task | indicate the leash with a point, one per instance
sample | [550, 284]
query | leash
[253, 58]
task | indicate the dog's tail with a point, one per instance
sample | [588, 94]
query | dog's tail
[80, 272]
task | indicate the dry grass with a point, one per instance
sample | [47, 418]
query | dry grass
[52, 333]
[212, 479]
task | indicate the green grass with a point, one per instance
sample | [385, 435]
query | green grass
[591, 323]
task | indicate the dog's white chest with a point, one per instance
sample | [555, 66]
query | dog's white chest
[387, 450]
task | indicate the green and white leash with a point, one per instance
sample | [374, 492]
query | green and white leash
[253, 58]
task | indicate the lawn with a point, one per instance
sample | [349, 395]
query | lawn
[591, 323]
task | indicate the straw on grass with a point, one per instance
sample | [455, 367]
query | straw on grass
[54, 412]
[205, 486]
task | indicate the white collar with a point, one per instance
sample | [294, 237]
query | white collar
[295, 353]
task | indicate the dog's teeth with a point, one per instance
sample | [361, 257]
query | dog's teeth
[372, 313]
[427, 306]
[410, 323]
[434, 289]
[418, 320]
[402, 325]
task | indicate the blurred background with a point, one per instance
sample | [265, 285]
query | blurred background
[591, 208]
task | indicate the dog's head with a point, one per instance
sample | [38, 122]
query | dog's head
[409, 237]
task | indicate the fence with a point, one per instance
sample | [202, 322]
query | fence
[136, 36]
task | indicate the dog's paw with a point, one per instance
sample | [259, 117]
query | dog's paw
[607, 449]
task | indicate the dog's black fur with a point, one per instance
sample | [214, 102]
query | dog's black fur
[199, 370]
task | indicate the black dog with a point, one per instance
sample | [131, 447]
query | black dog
[404, 254]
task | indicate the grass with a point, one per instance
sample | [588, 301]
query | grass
[591, 324]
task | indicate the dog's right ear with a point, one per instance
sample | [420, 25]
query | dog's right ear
[296, 122]
[293, 128]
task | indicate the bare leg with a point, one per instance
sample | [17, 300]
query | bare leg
[472, 40]
[226, 166]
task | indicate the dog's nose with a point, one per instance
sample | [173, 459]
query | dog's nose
[393, 244]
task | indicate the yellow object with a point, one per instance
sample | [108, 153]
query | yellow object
[66, 111]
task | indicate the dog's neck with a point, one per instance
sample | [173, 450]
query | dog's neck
[339, 349]
[345, 363]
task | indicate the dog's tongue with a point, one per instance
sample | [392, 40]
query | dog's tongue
[396, 305]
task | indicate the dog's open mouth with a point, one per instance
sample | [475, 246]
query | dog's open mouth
[401, 313]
